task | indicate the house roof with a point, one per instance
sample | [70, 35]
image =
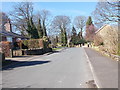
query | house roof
[11, 34]
[6, 29]
[101, 28]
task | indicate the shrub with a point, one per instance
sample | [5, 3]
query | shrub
[33, 43]
[45, 42]
[41, 45]
[98, 40]
[25, 42]
[5, 48]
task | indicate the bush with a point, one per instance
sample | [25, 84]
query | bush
[33, 43]
[41, 45]
[5, 48]
[25, 42]
[45, 42]
[98, 40]
[81, 41]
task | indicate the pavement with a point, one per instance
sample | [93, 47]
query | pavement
[68, 68]
[104, 69]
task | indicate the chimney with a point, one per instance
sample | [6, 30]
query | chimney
[8, 26]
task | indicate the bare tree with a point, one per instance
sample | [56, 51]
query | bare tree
[3, 19]
[106, 12]
[61, 24]
[80, 22]
[21, 15]
[44, 14]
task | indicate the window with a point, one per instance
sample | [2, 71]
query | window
[9, 38]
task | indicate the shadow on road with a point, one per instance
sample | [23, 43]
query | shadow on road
[11, 64]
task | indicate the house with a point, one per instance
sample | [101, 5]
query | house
[6, 31]
[106, 32]
[109, 37]
[6, 34]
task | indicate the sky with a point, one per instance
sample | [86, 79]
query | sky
[71, 9]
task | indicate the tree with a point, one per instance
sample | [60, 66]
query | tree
[74, 36]
[89, 21]
[56, 39]
[80, 23]
[61, 24]
[34, 30]
[33, 33]
[40, 29]
[22, 19]
[90, 30]
[3, 19]
[74, 33]
[44, 14]
[106, 12]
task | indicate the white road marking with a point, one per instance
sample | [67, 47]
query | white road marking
[92, 69]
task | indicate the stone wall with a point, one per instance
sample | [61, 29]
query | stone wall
[31, 52]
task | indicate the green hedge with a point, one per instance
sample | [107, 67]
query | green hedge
[31, 44]
[34, 43]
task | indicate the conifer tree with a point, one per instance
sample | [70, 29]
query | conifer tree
[90, 30]
[74, 36]
[39, 28]
[89, 21]
[32, 31]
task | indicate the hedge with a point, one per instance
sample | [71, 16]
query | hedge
[33, 44]
[5, 48]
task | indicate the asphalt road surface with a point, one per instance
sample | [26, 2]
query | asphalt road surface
[65, 69]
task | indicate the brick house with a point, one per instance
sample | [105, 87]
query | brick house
[7, 34]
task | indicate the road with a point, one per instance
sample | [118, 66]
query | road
[65, 69]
